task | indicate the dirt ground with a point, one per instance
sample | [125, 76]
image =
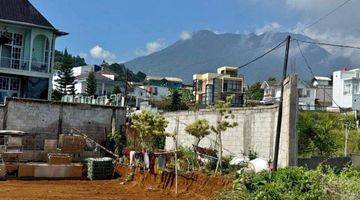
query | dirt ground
[191, 186]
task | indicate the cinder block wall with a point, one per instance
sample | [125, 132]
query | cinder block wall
[256, 129]
[46, 120]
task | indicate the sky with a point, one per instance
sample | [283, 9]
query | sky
[120, 30]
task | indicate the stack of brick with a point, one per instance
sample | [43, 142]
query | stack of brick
[58, 158]
[100, 168]
[73, 144]
[50, 145]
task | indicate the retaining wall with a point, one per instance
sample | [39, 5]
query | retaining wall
[256, 128]
[42, 119]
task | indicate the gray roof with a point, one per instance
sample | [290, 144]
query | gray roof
[22, 11]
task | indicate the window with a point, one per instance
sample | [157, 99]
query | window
[15, 84]
[307, 93]
[347, 88]
[4, 83]
[356, 89]
[155, 91]
[300, 92]
[13, 50]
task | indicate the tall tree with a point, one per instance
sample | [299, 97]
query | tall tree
[255, 92]
[176, 102]
[91, 84]
[66, 77]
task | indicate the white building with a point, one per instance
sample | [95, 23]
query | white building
[346, 89]
[306, 93]
[105, 82]
[323, 91]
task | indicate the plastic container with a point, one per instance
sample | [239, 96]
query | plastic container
[258, 165]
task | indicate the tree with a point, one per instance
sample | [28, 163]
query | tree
[56, 95]
[91, 84]
[176, 103]
[199, 129]
[270, 79]
[66, 78]
[116, 90]
[222, 108]
[255, 92]
[149, 126]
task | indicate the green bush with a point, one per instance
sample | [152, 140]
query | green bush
[322, 133]
[297, 183]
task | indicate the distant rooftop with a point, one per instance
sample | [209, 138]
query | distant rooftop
[172, 79]
[322, 78]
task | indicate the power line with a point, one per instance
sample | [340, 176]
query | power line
[312, 73]
[326, 15]
[261, 56]
[328, 44]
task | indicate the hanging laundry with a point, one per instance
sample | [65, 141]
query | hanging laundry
[152, 163]
[146, 160]
[161, 163]
[132, 158]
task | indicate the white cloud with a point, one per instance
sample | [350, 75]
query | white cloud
[185, 35]
[83, 55]
[340, 27]
[100, 53]
[151, 47]
[273, 26]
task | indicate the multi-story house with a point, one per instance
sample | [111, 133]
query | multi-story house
[323, 91]
[306, 93]
[346, 89]
[212, 87]
[159, 87]
[27, 55]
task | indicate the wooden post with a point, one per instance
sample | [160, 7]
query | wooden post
[176, 149]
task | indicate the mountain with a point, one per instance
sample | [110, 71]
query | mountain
[205, 51]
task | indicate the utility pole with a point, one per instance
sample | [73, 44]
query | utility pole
[278, 128]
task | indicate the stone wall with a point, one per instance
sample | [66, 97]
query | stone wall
[256, 130]
[46, 120]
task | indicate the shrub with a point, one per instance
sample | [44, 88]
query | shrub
[299, 183]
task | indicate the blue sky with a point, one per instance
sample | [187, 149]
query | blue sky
[119, 30]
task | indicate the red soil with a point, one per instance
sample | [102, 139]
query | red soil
[191, 186]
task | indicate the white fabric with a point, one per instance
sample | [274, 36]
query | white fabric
[146, 160]
[132, 158]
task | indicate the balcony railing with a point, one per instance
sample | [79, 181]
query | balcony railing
[22, 64]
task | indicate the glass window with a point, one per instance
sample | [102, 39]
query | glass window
[15, 84]
[4, 83]
[347, 88]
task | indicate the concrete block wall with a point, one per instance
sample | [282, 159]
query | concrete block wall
[46, 120]
[256, 129]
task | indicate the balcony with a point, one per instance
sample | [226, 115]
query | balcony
[24, 65]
